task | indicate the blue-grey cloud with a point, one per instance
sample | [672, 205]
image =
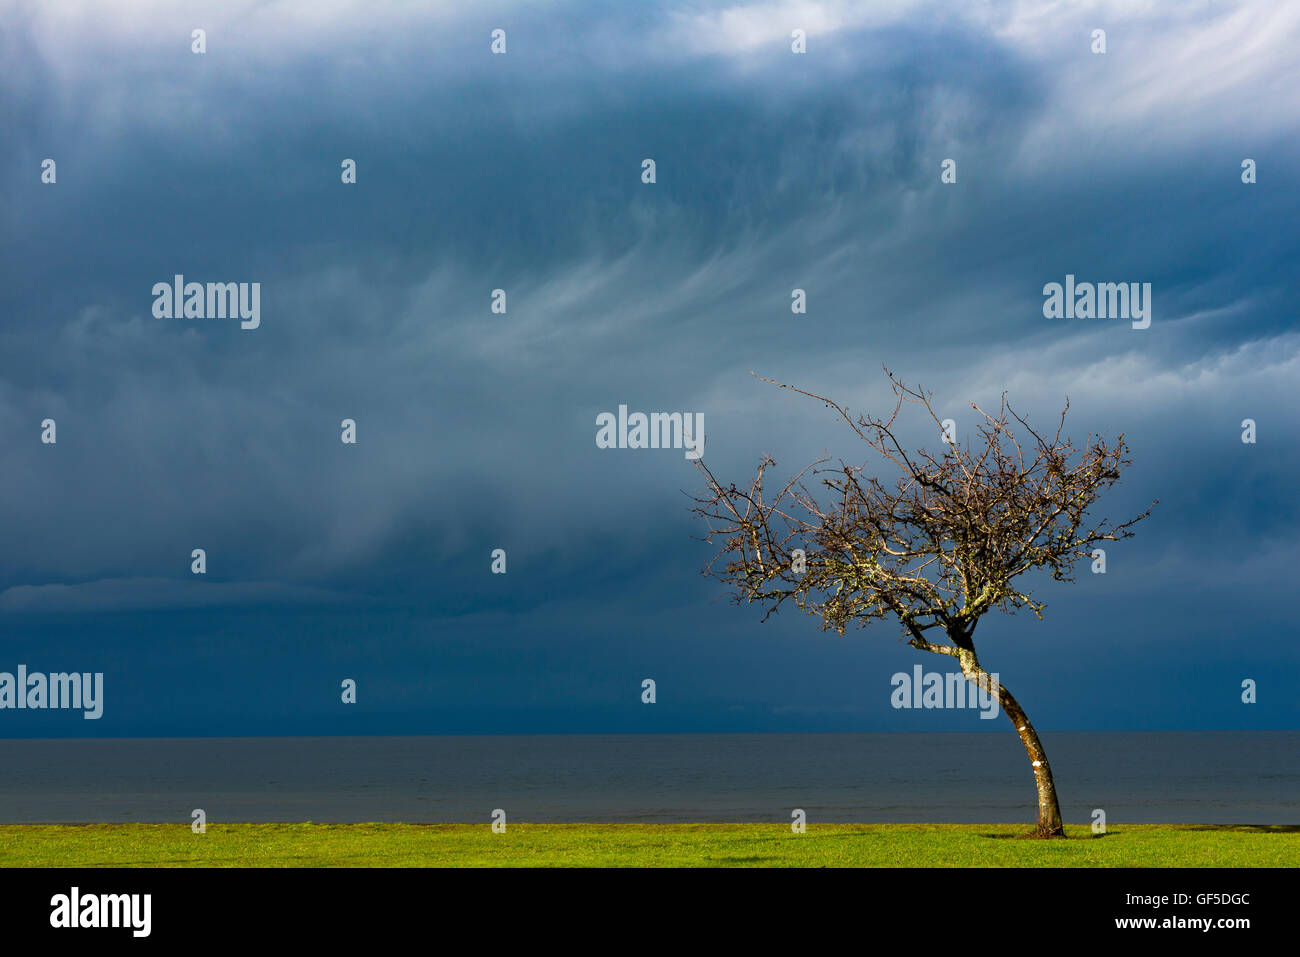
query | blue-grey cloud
[522, 172]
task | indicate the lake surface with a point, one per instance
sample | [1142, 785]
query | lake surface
[1148, 777]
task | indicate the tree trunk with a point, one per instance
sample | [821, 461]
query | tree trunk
[1049, 809]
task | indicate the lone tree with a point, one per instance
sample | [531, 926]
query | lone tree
[936, 548]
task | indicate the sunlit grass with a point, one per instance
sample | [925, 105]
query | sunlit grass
[640, 845]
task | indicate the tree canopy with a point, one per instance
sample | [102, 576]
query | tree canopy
[939, 544]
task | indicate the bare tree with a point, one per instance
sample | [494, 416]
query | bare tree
[935, 549]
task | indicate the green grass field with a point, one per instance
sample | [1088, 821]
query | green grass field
[640, 845]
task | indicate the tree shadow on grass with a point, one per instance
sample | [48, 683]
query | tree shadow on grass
[1031, 836]
[1240, 828]
[1080, 832]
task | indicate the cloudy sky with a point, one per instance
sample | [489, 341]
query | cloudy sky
[522, 171]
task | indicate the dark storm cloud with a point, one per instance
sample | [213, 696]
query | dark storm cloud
[522, 172]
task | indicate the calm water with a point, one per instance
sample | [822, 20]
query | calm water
[1175, 777]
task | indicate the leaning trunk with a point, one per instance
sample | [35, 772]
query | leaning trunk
[1049, 809]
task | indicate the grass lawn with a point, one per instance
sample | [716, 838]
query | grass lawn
[640, 845]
